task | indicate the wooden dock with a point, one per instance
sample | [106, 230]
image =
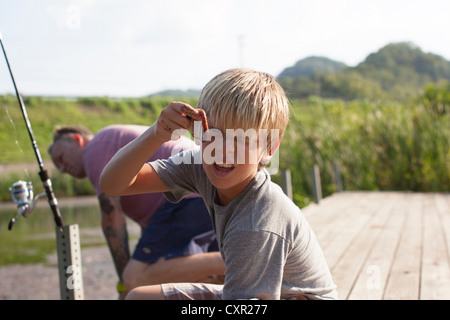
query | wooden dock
[385, 245]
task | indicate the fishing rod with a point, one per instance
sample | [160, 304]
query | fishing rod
[67, 236]
[43, 174]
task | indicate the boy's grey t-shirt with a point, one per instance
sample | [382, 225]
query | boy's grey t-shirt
[268, 247]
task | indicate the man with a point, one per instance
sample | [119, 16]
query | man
[177, 242]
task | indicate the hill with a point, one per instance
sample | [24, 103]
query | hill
[396, 71]
[310, 66]
[191, 93]
[407, 56]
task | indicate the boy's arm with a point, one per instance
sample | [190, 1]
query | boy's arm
[127, 172]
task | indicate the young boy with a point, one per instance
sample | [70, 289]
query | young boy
[269, 249]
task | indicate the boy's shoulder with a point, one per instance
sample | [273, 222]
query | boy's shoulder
[272, 196]
[267, 208]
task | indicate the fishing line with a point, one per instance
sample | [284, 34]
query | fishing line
[43, 174]
[16, 138]
[11, 121]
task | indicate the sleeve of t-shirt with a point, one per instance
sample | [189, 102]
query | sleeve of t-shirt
[180, 175]
[255, 262]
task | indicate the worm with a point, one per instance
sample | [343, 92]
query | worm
[202, 115]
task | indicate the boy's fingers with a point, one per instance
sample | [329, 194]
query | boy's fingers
[185, 110]
[173, 114]
[180, 115]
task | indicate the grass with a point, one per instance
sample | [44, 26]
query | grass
[381, 145]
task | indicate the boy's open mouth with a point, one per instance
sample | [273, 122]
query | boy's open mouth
[223, 167]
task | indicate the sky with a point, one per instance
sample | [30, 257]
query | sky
[135, 48]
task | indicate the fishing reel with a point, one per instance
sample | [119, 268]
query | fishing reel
[22, 195]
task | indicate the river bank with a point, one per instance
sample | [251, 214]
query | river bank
[41, 281]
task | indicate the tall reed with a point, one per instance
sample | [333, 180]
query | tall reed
[379, 146]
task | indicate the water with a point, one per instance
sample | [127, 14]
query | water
[33, 238]
[28, 263]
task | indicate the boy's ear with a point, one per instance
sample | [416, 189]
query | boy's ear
[268, 156]
[274, 147]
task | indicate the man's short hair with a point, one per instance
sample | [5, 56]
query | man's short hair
[61, 132]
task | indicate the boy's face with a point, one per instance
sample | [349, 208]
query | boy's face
[230, 159]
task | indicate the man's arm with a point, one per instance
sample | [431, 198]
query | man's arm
[115, 231]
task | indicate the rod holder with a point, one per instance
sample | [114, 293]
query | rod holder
[69, 262]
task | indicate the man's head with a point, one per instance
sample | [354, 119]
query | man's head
[67, 149]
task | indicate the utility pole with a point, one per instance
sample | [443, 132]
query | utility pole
[240, 39]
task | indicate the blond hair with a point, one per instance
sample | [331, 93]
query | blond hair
[246, 99]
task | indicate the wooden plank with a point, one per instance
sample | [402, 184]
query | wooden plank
[373, 276]
[330, 217]
[350, 264]
[346, 229]
[404, 277]
[435, 280]
[333, 211]
[442, 203]
[386, 245]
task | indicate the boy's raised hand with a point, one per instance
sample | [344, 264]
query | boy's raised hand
[177, 115]
[126, 173]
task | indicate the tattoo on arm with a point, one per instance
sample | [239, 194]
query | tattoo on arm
[118, 245]
[106, 204]
[115, 231]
